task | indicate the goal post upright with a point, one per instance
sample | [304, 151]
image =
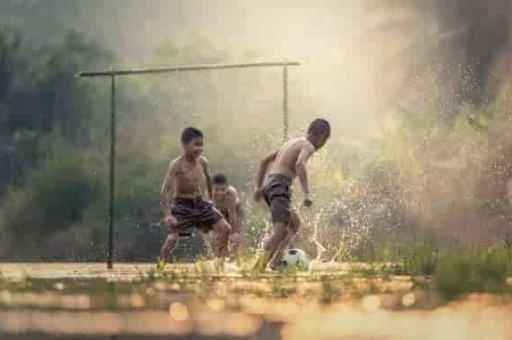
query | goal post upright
[112, 179]
[181, 68]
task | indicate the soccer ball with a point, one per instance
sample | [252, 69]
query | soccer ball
[296, 258]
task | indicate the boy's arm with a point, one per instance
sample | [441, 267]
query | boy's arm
[164, 191]
[300, 167]
[263, 168]
[208, 178]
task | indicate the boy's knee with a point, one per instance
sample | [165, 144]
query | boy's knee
[222, 227]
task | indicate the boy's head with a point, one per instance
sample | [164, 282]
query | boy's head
[192, 142]
[220, 186]
[319, 132]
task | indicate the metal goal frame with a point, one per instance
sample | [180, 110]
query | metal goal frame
[113, 74]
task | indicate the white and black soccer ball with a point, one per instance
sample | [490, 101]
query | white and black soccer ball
[296, 258]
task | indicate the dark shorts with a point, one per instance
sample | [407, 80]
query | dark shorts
[194, 213]
[278, 195]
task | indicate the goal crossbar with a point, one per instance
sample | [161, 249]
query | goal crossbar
[178, 68]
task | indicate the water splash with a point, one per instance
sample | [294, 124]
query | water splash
[320, 249]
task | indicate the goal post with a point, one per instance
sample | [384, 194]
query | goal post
[158, 70]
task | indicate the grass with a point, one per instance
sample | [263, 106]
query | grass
[452, 271]
[473, 271]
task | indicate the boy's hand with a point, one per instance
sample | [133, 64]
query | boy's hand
[169, 221]
[258, 194]
[308, 203]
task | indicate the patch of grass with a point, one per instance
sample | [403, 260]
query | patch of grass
[370, 269]
[415, 258]
[454, 270]
[420, 259]
[476, 270]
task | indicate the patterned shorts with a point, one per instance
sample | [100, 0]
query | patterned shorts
[194, 213]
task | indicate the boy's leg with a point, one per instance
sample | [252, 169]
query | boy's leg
[277, 194]
[234, 243]
[280, 208]
[184, 223]
[235, 238]
[271, 246]
[219, 235]
[212, 221]
[167, 248]
[291, 231]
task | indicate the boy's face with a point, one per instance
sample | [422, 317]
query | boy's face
[220, 191]
[319, 140]
[194, 148]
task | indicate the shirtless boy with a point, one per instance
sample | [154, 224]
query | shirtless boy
[187, 175]
[225, 199]
[288, 162]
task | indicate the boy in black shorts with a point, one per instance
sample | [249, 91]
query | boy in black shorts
[287, 163]
[188, 174]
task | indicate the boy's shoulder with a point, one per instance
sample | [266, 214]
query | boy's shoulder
[202, 160]
[175, 161]
[232, 190]
[233, 194]
[300, 143]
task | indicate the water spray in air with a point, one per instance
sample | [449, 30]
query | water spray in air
[320, 249]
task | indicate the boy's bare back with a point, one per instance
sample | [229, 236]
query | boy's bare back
[287, 157]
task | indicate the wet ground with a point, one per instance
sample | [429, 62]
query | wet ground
[194, 301]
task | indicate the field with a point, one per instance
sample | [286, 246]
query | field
[331, 301]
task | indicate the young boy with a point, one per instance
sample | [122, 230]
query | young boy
[225, 199]
[187, 175]
[288, 162]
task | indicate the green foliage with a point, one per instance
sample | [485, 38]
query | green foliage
[455, 270]
[472, 271]
[53, 197]
[40, 96]
[418, 258]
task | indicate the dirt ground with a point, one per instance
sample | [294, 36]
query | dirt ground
[194, 302]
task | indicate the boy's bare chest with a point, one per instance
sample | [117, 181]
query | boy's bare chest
[222, 204]
[189, 172]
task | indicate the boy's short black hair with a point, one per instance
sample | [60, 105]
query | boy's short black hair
[190, 133]
[220, 179]
[319, 126]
